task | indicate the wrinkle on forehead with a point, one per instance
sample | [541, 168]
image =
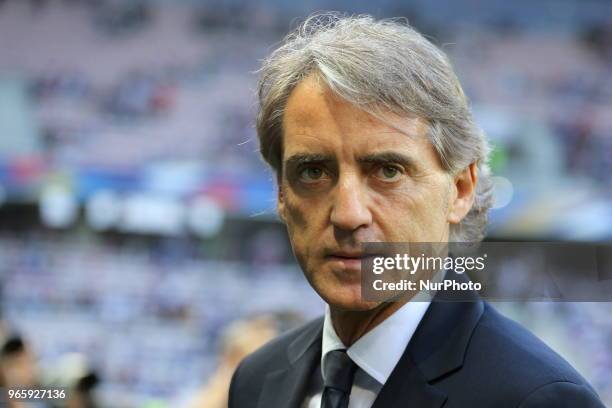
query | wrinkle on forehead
[313, 102]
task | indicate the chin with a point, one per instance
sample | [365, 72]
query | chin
[355, 306]
[346, 300]
[339, 288]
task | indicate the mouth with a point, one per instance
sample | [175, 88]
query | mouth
[350, 260]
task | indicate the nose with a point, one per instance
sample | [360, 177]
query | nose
[350, 211]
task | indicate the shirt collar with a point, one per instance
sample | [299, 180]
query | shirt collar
[378, 351]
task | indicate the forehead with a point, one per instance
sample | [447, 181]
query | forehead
[316, 119]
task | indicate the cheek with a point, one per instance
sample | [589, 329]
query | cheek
[306, 214]
[301, 227]
[301, 220]
[412, 213]
[295, 216]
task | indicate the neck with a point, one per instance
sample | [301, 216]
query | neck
[350, 325]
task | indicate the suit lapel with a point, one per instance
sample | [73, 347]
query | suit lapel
[437, 348]
[287, 387]
[406, 387]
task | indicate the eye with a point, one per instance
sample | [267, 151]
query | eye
[311, 174]
[389, 173]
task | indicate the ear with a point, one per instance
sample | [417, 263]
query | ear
[463, 193]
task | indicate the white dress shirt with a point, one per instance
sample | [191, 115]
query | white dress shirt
[376, 353]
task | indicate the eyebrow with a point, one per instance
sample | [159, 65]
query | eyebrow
[299, 159]
[381, 158]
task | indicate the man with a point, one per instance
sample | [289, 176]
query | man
[371, 138]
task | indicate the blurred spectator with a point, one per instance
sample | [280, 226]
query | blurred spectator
[83, 392]
[18, 365]
[18, 369]
[238, 340]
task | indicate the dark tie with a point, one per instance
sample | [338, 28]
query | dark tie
[339, 373]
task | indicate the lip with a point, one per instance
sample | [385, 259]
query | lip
[348, 260]
[346, 254]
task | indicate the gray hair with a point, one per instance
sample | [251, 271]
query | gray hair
[379, 66]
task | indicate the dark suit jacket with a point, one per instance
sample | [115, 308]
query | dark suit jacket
[463, 355]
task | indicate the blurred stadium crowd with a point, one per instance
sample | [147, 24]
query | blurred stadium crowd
[131, 189]
[148, 318]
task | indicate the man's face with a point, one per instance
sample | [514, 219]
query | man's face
[348, 178]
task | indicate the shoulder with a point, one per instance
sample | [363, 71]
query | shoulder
[250, 375]
[508, 342]
[562, 394]
[274, 355]
[508, 360]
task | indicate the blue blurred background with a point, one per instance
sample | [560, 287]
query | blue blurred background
[139, 246]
